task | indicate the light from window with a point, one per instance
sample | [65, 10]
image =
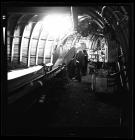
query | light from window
[58, 24]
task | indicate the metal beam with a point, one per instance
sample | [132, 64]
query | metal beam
[22, 40]
[31, 38]
[37, 50]
[12, 22]
[44, 48]
[52, 49]
[13, 36]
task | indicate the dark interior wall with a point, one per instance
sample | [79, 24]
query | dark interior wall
[118, 26]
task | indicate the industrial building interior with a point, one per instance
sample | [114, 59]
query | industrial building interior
[69, 70]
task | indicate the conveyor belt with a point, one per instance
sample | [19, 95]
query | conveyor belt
[22, 72]
[20, 86]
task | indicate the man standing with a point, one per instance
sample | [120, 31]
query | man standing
[80, 62]
[85, 62]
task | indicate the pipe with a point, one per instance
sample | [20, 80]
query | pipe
[74, 15]
[102, 12]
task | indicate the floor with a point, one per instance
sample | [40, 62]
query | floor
[64, 104]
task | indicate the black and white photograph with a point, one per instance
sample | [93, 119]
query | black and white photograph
[67, 70]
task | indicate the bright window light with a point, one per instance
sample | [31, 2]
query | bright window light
[56, 24]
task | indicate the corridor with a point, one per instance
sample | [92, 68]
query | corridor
[67, 70]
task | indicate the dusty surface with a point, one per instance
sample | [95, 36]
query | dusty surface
[71, 105]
